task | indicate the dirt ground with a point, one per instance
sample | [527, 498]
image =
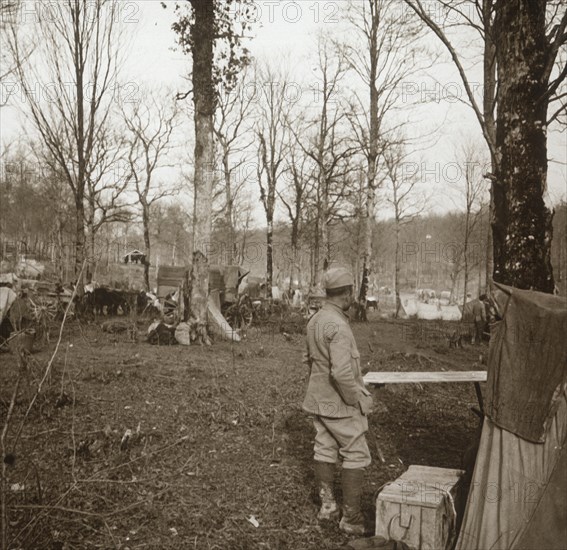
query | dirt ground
[219, 453]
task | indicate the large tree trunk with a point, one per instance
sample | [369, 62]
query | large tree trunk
[522, 227]
[489, 260]
[204, 99]
[488, 101]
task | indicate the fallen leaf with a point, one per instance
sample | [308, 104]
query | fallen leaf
[253, 521]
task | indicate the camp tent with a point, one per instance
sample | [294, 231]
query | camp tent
[432, 311]
[9, 279]
[517, 497]
[29, 268]
[134, 256]
[7, 298]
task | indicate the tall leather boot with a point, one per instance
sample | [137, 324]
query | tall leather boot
[352, 521]
[324, 477]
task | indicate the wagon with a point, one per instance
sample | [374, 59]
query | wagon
[240, 313]
[224, 281]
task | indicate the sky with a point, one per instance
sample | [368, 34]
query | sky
[287, 31]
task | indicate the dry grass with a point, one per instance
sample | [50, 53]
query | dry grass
[216, 435]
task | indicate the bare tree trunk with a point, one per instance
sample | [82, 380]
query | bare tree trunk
[454, 276]
[397, 271]
[272, 134]
[91, 261]
[147, 245]
[229, 215]
[204, 98]
[372, 158]
[269, 257]
[294, 251]
[325, 242]
[244, 241]
[480, 287]
[489, 264]
[81, 168]
[367, 250]
[59, 248]
[107, 251]
[522, 222]
[466, 265]
[79, 243]
[315, 254]
[90, 238]
[488, 103]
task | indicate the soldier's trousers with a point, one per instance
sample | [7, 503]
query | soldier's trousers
[344, 438]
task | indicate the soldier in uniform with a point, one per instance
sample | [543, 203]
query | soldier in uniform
[479, 318]
[339, 403]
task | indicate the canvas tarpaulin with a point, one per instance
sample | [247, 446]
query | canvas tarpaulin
[527, 358]
[7, 298]
[516, 500]
[517, 495]
[431, 311]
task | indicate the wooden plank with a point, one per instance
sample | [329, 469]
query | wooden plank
[424, 377]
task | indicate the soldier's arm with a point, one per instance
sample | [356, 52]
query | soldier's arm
[341, 368]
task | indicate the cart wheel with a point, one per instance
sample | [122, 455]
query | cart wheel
[231, 315]
[246, 316]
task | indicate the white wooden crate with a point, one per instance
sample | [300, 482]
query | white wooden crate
[417, 508]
